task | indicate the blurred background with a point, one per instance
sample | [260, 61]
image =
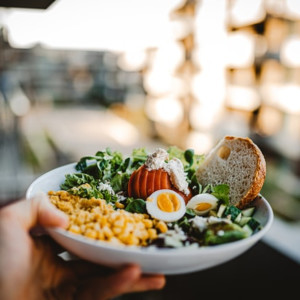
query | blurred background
[77, 76]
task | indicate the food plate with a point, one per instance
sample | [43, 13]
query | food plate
[151, 260]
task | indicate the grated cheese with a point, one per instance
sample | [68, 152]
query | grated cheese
[177, 175]
[157, 159]
[106, 187]
[174, 167]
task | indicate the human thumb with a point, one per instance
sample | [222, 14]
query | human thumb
[39, 211]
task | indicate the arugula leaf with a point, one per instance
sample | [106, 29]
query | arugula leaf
[77, 179]
[189, 156]
[184, 223]
[175, 152]
[189, 159]
[106, 195]
[139, 157]
[136, 205]
[119, 182]
[126, 164]
[195, 186]
[86, 191]
[190, 212]
[104, 165]
[221, 192]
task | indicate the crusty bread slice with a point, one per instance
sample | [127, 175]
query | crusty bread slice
[237, 162]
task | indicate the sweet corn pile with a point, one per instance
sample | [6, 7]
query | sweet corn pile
[96, 219]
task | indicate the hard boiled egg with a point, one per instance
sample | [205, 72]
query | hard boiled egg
[165, 205]
[202, 203]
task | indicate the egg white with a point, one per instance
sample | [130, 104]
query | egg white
[157, 213]
[202, 198]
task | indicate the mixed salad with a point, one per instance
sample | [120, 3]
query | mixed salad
[163, 185]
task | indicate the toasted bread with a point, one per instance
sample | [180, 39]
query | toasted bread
[239, 163]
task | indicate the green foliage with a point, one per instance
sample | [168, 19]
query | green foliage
[221, 192]
[139, 157]
[76, 180]
[136, 205]
[223, 233]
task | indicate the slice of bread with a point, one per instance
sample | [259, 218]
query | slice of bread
[237, 162]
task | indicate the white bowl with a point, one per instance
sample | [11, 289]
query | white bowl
[165, 261]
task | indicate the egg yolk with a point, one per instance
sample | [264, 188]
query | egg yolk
[168, 202]
[203, 206]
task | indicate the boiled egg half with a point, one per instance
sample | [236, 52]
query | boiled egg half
[201, 204]
[165, 205]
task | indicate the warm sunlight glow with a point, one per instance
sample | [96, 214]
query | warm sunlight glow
[290, 50]
[246, 12]
[203, 117]
[114, 25]
[242, 98]
[200, 142]
[240, 51]
[165, 110]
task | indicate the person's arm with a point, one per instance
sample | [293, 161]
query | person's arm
[31, 269]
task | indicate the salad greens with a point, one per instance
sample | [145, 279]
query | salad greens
[106, 174]
[136, 205]
[110, 167]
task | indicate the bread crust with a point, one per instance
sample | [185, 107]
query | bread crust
[259, 177]
[259, 173]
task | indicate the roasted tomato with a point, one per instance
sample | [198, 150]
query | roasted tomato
[143, 183]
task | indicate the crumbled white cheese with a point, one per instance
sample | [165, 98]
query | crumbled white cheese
[120, 197]
[220, 233]
[213, 220]
[201, 223]
[174, 167]
[174, 238]
[157, 159]
[106, 187]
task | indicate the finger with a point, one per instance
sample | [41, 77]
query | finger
[148, 282]
[84, 269]
[37, 211]
[126, 280]
[48, 214]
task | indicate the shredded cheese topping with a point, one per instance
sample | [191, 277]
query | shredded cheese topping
[173, 167]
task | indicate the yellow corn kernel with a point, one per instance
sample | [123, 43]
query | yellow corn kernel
[155, 221]
[138, 217]
[107, 232]
[143, 234]
[100, 235]
[132, 240]
[123, 236]
[55, 199]
[89, 226]
[91, 233]
[152, 233]
[117, 230]
[120, 222]
[119, 205]
[148, 223]
[115, 241]
[96, 226]
[74, 229]
[103, 221]
[162, 226]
